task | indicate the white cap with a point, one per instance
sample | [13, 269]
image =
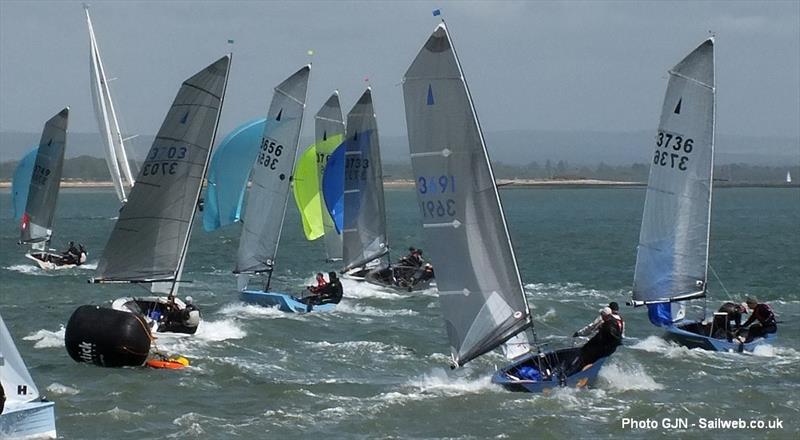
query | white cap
[605, 311]
[189, 300]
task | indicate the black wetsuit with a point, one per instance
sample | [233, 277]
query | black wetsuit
[734, 312]
[605, 342]
[766, 322]
[333, 293]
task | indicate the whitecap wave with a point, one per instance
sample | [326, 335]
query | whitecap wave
[27, 269]
[216, 331]
[46, 338]
[628, 377]
[438, 382]
[361, 289]
[357, 309]
[244, 310]
[62, 390]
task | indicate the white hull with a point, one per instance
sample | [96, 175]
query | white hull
[46, 265]
[128, 304]
[32, 420]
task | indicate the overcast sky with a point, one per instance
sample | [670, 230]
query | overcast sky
[598, 66]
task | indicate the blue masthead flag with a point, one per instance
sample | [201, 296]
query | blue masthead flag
[437, 12]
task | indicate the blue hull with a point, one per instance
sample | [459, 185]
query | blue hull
[283, 301]
[695, 340]
[507, 377]
[29, 420]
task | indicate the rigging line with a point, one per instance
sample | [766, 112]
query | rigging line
[720, 283]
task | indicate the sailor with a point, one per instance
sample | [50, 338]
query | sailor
[321, 284]
[83, 254]
[604, 343]
[594, 325]
[191, 314]
[72, 255]
[734, 312]
[333, 291]
[766, 320]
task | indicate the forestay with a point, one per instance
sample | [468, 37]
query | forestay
[672, 258]
[116, 158]
[227, 183]
[364, 234]
[271, 175]
[480, 290]
[14, 376]
[40, 208]
[150, 238]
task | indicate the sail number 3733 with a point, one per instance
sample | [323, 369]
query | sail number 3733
[672, 150]
[437, 188]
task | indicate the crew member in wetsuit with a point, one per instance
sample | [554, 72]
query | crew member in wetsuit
[72, 255]
[333, 292]
[594, 325]
[766, 324]
[734, 312]
[316, 291]
[604, 343]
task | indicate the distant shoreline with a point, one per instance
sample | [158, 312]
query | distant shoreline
[502, 183]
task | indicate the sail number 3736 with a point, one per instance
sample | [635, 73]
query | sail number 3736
[672, 150]
[437, 188]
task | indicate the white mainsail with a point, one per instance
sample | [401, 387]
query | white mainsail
[116, 158]
[480, 289]
[672, 257]
[14, 377]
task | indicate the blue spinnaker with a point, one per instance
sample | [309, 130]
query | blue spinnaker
[22, 182]
[660, 314]
[333, 187]
[228, 174]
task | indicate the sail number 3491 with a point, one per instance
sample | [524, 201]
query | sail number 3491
[672, 150]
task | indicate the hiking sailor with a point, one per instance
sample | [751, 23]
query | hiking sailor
[766, 320]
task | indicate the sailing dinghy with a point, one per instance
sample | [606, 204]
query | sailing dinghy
[23, 412]
[480, 290]
[116, 157]
[37, 180]
[267, 199]
[672, 256]
[149, 242]
[365, 241]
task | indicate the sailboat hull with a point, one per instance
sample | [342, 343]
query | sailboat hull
[50, 261]
[509, 378]
[282, 301]
[29, 420]
[681, 334]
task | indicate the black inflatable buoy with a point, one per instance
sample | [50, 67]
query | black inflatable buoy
[107, 337]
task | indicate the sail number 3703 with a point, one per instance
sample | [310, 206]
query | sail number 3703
[672, 150]
[437, 188]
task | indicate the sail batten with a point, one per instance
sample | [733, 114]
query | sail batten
[271, 175]
[672, 256]
[483, 304]
[151, 236]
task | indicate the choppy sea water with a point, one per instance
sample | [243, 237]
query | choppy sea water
[377, 367]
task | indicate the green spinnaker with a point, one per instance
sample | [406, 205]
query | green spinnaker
[307, 182]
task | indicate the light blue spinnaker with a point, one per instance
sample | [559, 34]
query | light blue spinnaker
[227, 181]
[333, 187]
[21, 183]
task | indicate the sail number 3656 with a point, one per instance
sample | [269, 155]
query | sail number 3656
[672, 150]
[437, 185]
[270, 152]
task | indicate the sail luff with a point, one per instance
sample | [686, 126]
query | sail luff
[672, 256]
[480, 290]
